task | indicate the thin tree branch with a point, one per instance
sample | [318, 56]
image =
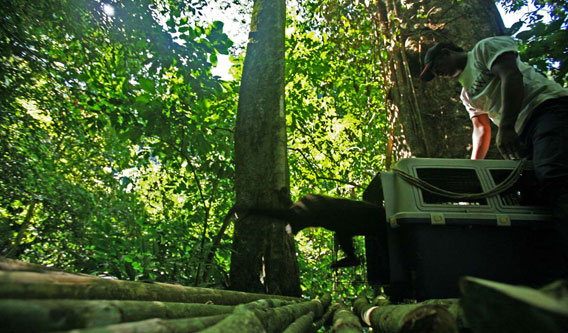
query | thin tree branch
[216, 242]
[22, 232]
[223, 129]
[206, 205]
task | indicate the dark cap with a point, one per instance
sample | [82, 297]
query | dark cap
[431, 54]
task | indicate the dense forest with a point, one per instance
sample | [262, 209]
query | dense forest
[117, 140]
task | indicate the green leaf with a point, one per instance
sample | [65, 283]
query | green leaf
[143, 99]
[525, 35]
[515, 27]
[147, 85]
[185, 29]
[217, 26]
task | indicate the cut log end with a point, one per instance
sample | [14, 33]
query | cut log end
[429, 319]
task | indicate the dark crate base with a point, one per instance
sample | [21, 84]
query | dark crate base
[427, 261]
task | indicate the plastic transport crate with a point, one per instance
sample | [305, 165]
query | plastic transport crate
[434, 240]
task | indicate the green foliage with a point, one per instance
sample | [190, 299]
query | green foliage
[116, 129]
[544, 42]
[337, 122]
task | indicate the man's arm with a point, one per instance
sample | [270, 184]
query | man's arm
[505, 68]
[481, 136]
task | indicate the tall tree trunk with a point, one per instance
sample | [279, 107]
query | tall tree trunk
[433, 121]
[263, 258]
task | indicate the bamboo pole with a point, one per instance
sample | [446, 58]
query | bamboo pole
[274, 303]
[325, 300]
[11, 265]
[361, 306]
[325, 318]
[283, 316]
[430, 316]
[453, 305]
[302, 324]
[345, 321]
[243, 319]
[16, 313]
[256, 316]
[30, 285]
[158, 325]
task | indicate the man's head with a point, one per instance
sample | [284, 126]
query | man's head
[444, 60]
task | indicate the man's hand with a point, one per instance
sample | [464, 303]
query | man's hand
[508, 143]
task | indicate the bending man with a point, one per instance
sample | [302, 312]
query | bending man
[530, 110]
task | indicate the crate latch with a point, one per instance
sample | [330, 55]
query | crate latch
[393, 222]
[503, 221]
[437, 218]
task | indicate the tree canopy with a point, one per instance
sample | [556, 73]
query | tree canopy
[542, 29]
